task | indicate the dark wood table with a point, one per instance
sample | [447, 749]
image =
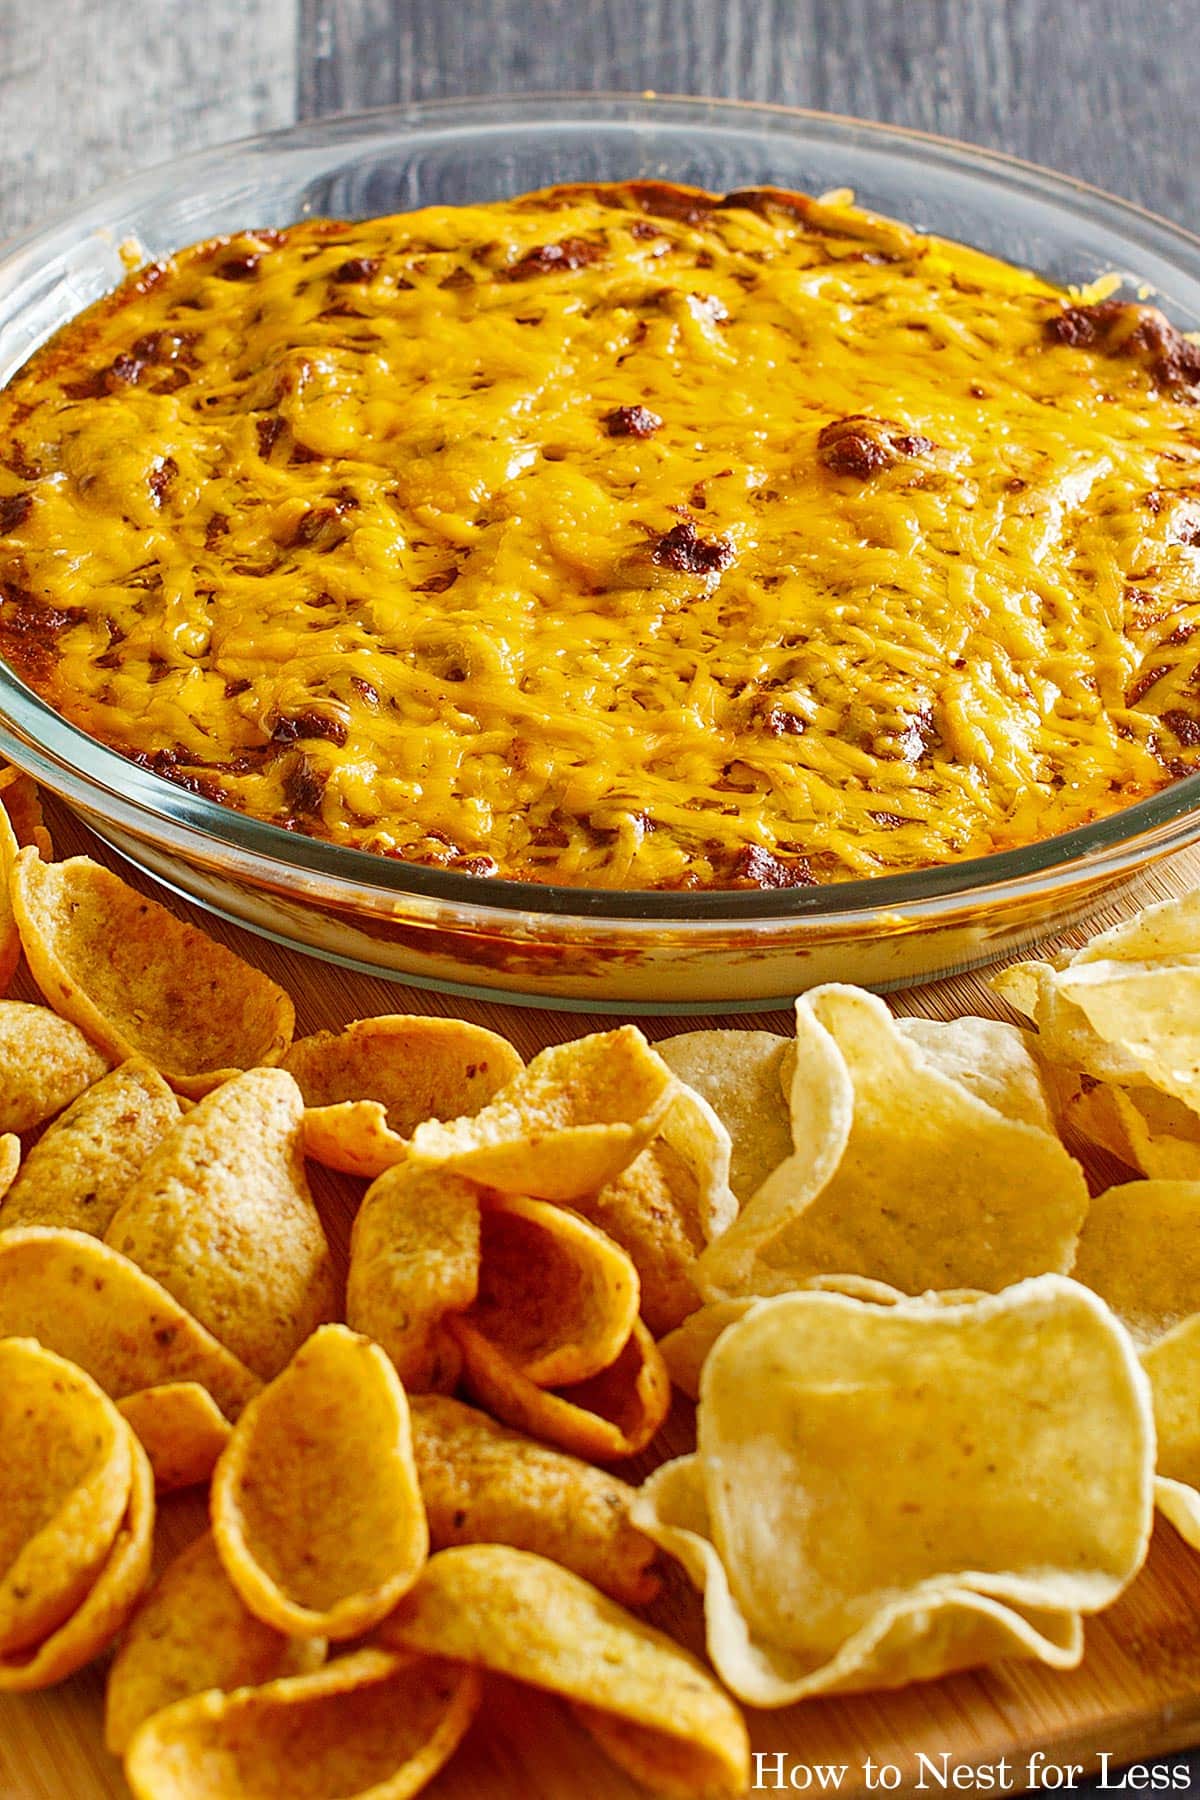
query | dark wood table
[1105, 89]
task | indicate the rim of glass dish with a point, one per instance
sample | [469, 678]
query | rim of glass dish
[49, 746]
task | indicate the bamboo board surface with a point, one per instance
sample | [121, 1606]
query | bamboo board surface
[1137, 1692]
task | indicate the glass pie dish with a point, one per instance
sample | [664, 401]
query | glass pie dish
[599, 949]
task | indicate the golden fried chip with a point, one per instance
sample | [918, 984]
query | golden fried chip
[1017, 1437]
[1146, 1129]
[414, 1259]
[23, 822]
[108, 1602]
[571, 1121]
[10, 937]
[65, 1472]
[525, 1617]
[316, 1508]
[1140, 1251]
[141, 982]
[1173, 1366]
[91, 1305]
[367, 1088]
[686, 1349]
[556, 1297]
[78, 1172]
[739, 1073]
[485, 1484]
[10, 1162]
[222, 1216]
[45, 1062]
[922, 1186]
[613, 1415]
[191, 1632]
[991, 1059]
[182, 1430]
[652, 1209]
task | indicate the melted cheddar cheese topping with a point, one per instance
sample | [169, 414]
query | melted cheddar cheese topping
[620, 537]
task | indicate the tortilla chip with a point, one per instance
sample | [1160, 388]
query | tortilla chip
[316, 1509]
[182, 1430]
[739, 1074]
[556, 1297]
[24, 821]
[91, 1305]
[222, 1216]
[1140, 1251]
[1146, 1129]
[191, 1632]
[370, 1726]
[141, 982]
[686, 1349]
[64, 1486]
[1017, 1437]
[652, 1209]
[484, 1484]
[1172, 1363]
[414, 1259]
[45, 1063]
[613, 1415]
[993, 1060]
[107, 1604]
[10, 1162]
[923, 1186]
[79, 1171]
[522, 1616]
[367, 1088]
[567, 1124]
[10, 937]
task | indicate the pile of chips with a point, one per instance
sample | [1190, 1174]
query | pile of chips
[939, 1386]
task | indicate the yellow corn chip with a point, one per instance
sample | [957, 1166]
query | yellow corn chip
[485, 1484]
[414, 1259]
[10, 937]
[612, 1415]
[316, 1509]
[78, 1172]
[1146, 1129]
[652, 1209]
[1173, 1365]
[370, 1726]
[522, 1616]
[91, 1305]
[911, 1180]
[567, 1124]
[10, 1162]
[141, 982]
[1140, 1251]
[556, 1297]
[367, 1088]
[1018, 1441]
[108, 1603]
[740, 1074]
[222, 1216]
[182, 1430]
[992, 1060]
[45, 1062]
[191, 1632]
[65, 1473]
[23, 822]
[686, 1349]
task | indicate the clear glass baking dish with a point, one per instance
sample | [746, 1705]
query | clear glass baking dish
[566, 946]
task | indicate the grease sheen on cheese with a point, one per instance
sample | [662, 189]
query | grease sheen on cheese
[617, 537]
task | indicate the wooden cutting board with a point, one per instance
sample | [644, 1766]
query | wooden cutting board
[1137, 1692]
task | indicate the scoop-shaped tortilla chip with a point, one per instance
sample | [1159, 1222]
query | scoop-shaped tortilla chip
[367, 1088]
[485, 1484]
[1147, 1130]
[613, 1415]
[78, 1172]
[96, 1308]
[1017, 1436]
[10, 1162]
[740, 1074]
[108, 1602]
[222, 1216]
[652, 1210]
[525, 1617]
[1140, 1250]
[23, 822]
[45, 1062]
[316, 1507]
[993, 1060]
[931, 1187]
[141, 982]
[370, 1726]
[414, 1260]
[556, 1297]
[65, 1471]
[571, 1121]
[182, 1430]
[686, 1349]
[1173, 1364]
[192, 1632]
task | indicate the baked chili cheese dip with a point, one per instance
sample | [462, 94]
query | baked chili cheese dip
[617, 536]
